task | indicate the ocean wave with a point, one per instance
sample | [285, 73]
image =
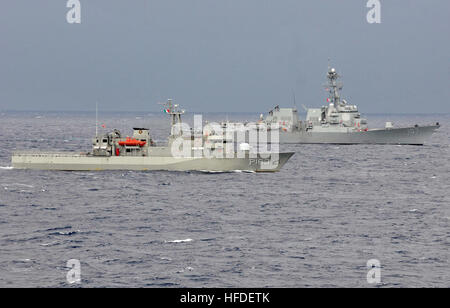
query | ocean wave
[19, 184]
[54, 243]
[65, 233]
[180, 241]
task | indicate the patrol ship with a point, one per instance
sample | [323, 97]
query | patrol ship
[113, 151]
[341, 123]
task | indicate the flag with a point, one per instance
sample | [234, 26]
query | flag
[103, 125]
[167, 110]
[328, 100]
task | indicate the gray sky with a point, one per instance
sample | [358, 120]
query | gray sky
[223, 55]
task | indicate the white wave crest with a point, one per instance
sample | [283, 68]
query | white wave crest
[180, 241]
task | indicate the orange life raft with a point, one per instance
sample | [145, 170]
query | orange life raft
[132, 142]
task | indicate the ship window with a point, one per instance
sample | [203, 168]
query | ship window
[105, 140]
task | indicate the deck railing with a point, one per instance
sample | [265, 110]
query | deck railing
[49, 154]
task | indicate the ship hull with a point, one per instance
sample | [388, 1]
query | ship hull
[80, 162]
[405, 136]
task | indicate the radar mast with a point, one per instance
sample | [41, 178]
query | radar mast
[334, 87]
[174, 111]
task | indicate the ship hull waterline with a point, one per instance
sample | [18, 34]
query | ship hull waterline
[395, 136]
[80, 162]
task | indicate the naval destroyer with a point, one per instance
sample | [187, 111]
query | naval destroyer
[341, 123]
[113, 151]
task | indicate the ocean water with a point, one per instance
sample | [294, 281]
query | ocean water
[314, 224]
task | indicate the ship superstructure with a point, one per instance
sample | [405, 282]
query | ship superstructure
[341, 123]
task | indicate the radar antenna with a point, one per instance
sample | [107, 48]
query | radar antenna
[174, 111]
[333, 87]
[293, 96]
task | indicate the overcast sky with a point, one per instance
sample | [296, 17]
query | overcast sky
[223, 55]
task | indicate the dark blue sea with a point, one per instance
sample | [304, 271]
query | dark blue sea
[314, 224]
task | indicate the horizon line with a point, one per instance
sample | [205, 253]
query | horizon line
[210, 112]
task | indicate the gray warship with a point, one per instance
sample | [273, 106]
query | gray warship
[341, 123]
[113, 151]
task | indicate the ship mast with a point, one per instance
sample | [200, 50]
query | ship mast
[96, 119]
[174, 112]
[334, 87]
